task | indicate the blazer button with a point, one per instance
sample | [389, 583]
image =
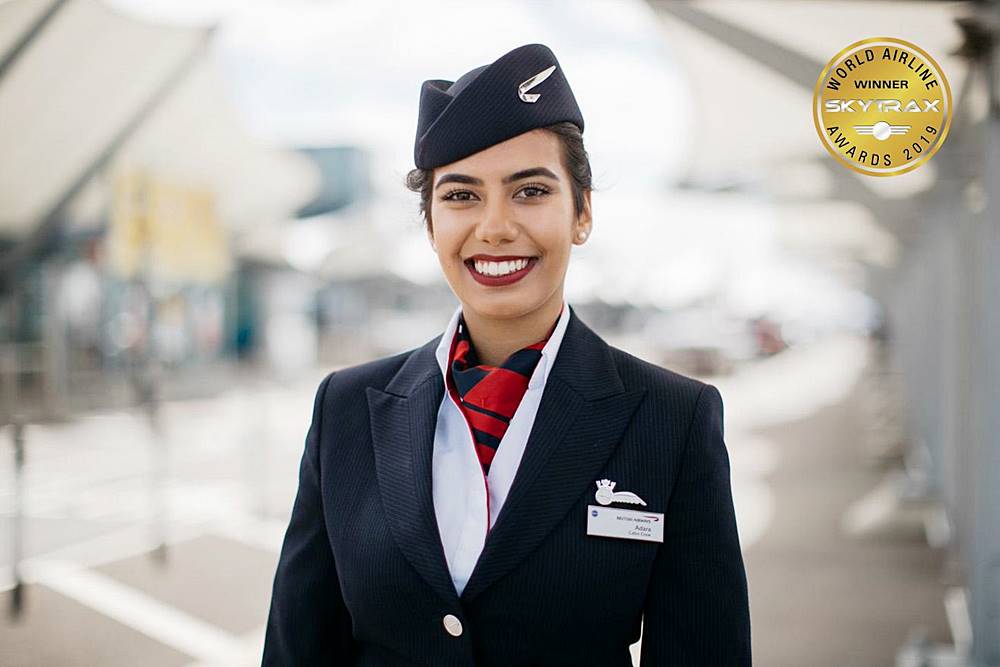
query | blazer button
[452, 625]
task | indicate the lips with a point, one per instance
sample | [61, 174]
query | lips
[498, 281]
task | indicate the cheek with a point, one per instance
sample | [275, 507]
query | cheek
[557, 239]
[445, 233]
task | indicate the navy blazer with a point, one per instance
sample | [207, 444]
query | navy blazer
[362, 577]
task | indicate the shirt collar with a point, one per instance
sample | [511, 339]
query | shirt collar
[549, 351]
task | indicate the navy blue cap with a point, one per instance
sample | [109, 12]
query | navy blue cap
[521, 90]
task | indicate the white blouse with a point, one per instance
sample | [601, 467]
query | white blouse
[460, 489]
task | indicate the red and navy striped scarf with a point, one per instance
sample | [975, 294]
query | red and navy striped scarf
[488, 395]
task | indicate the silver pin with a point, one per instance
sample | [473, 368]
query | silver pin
[606, 494]
[522, 90]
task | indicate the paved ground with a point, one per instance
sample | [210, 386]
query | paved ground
[99, 595]
[818, 596]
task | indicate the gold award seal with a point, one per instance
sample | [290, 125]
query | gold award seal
[882, 106]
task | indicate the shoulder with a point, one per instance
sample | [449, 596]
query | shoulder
[667, 391]
[638, 373]
[351, 382]
[357, 377]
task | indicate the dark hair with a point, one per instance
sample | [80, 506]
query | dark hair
[574, 160]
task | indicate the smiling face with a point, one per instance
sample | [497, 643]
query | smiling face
[503, 225]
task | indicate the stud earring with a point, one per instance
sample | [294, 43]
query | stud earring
[581, 235]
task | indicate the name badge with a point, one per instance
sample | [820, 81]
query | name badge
[626, 524]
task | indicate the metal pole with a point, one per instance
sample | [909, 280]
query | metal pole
[28, 37]
[17, 523]
[984, 547]
[160, 464]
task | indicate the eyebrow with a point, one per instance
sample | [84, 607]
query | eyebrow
[516, 176]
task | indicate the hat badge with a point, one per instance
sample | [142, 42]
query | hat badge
[525, 86]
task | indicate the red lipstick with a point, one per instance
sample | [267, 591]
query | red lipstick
[502, 280]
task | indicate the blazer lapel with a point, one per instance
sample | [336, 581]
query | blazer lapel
[582, 414]
[403, 419]
[581, 417]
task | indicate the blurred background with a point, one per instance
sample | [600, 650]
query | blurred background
[202, 212]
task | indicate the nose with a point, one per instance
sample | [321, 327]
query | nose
[496, 225]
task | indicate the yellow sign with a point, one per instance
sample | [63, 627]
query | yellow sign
[882, 106]
[166, 230]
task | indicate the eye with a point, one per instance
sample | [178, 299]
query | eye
[537, 188]
[457, 195]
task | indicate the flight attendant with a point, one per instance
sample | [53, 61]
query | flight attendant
[514, 492]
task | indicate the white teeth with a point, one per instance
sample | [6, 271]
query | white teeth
[499, 268]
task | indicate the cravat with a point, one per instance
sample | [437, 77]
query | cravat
[488, 395]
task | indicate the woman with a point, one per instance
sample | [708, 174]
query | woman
[515, 491]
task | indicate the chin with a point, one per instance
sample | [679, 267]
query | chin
[505, 306]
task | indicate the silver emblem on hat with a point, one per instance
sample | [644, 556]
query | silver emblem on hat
[522, 90]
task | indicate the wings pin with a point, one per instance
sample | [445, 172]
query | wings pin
[606, 494]
[522, 90]
[881, 130]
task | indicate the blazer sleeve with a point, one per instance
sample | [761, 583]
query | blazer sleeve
[697, 608]
[308, 623]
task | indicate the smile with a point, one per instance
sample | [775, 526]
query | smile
[503, 272]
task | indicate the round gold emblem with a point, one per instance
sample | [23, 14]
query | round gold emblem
[882, 106]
